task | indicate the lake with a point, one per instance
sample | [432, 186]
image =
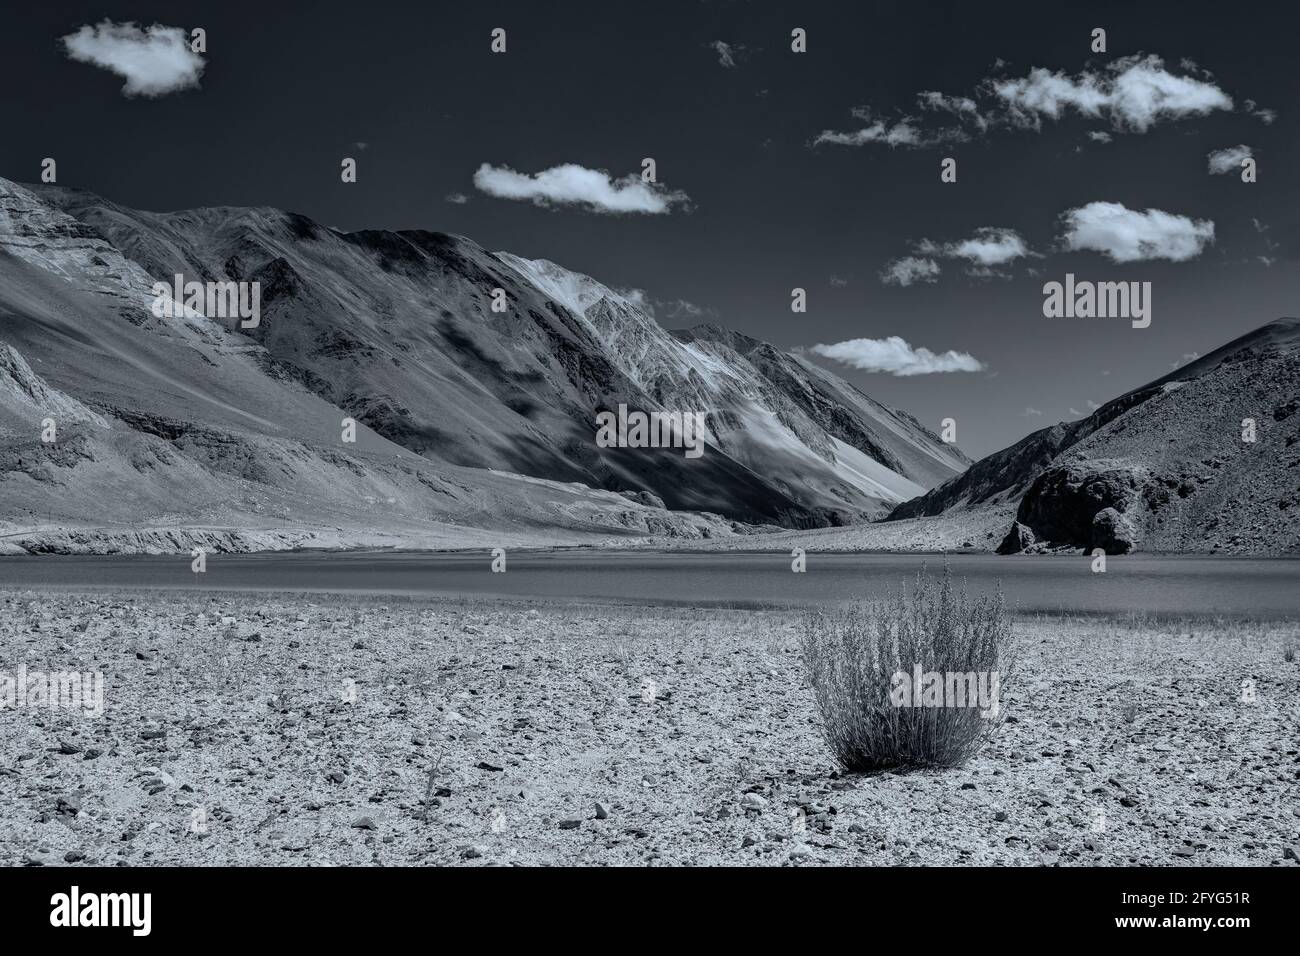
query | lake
[1156, 584]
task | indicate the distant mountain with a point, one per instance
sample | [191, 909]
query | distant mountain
[467, 417]
[1162, 467]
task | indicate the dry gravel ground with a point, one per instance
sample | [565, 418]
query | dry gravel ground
[268, 730]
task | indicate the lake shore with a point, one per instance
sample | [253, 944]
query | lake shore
[280, 730]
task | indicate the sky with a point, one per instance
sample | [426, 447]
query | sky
[775, 169]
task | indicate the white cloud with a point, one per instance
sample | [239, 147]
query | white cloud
[962, 107]
[1262, 113]
[895, 356]
[573, 185]
[638, 298]
[457, 199]
[839, 282]
[902, 132]
[989, 247]
[1032, 413]
[1126, 235]
[1134, 92]
[1099, 136]
[910, 269]
[154, 61]
[1228, 160]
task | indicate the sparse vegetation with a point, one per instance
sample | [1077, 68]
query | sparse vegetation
[855, 654]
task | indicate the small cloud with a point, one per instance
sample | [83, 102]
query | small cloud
[985, 252]
[1031, 413]
[1076, 413]
[154, 61]
[457, 199]
[681, 308]
[839, 282]
[573, 185]
[1228, 160]
[668, 310]
[1105, 372]
[1125, 235]
[638, 298]
[902, 132]
[1099, 136]
[962, 107]
[362, 146]
[989, 246]
[1263, 114]
[1092, 406]
[908, 270]
[1266, 261]
[897, 357]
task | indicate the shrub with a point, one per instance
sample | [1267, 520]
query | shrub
[857, 654]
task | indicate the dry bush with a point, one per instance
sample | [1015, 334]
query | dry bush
[853, 652]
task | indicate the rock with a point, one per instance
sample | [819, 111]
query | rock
[1017, 539]
[1113, 532]
[484, 765]
[749, 840]
[752, 801]
[1291, 853]
[602, 811]
[1091, 504]
[570, 823]
[74, 856]
[1000, 816]
[364, 823]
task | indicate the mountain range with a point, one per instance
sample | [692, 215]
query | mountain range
[1204, 459]
[472, 424]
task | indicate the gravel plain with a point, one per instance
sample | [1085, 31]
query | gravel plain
[273, 730]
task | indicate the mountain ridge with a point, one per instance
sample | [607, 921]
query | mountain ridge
[395, 329]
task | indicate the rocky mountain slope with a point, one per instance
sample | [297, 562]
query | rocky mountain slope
[1163, 467]
[467, 417]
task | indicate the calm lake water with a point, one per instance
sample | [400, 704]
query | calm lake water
[1248, 587]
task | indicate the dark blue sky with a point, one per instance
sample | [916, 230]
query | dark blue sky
[289, 88]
